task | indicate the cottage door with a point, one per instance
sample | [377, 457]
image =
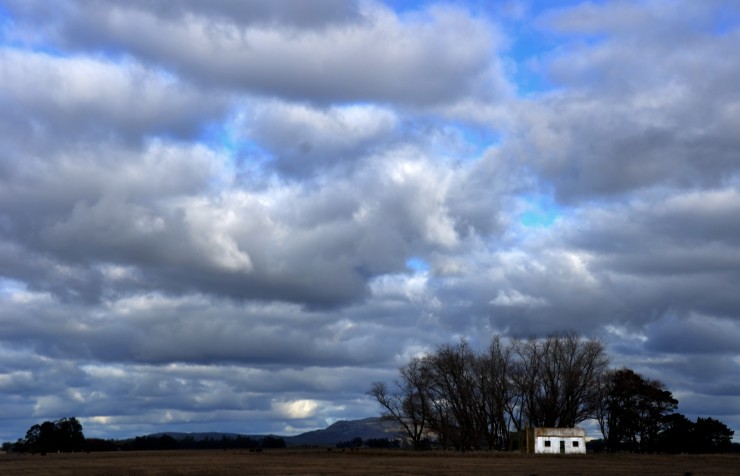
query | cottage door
[562, 447]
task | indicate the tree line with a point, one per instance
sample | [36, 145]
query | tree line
[467, 400]
[66, 435]
[384, 443]
[168, 442]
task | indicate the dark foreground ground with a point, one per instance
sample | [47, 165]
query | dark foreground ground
[286, 462]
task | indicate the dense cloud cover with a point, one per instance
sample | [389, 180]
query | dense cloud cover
[235, 216]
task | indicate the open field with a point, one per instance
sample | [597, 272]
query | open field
[285, 462]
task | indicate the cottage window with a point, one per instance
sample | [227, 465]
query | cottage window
[547, 443]
[575, 444]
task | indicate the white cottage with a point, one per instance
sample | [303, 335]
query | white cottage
[550, 441]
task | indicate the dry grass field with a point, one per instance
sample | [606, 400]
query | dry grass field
[287, 462]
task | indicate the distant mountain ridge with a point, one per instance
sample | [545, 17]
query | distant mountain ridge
[341, 431]
[345, 430]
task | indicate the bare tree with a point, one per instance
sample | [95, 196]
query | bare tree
[456, 393]
[558, 379]
[581, 365]
[498, 397]
[408, 404]
[525, 379]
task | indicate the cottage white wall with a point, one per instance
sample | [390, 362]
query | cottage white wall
[539, 445]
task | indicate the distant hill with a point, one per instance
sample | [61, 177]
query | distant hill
[341, 431]
[346, 430]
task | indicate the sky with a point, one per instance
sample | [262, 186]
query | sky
[237, 215]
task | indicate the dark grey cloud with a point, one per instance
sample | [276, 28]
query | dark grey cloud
[156, 329]
[704, 384]
[676, 254]
[377, 56]
[694, 334]
[624, 121]
[316, 14]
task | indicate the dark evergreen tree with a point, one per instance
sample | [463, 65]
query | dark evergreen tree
[677, 435]
[712, 436]
[633, 411]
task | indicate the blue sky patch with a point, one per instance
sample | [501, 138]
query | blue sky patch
[541, 211]
[417, 265]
